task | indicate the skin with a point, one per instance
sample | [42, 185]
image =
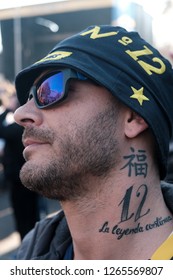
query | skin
[107, 202]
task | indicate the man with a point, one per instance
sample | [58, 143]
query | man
[97, 113]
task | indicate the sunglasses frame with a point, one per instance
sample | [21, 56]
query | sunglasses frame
[68, 74]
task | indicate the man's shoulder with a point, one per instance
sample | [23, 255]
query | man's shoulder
[46, 239]
[167, 190]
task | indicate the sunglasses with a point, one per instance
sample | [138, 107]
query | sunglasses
[52, 88]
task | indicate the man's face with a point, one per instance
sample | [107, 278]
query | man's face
[69, 143]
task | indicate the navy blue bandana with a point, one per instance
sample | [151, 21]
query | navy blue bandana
[129, 67]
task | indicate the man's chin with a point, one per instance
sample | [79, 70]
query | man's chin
[38, 179]
[27, 174]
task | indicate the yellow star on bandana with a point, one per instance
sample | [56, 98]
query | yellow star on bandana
[139, 95]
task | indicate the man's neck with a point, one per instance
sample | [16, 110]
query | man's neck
[118, 222]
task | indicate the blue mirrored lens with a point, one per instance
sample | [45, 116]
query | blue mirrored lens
[51, 89]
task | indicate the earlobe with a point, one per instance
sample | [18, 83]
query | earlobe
[134, 125]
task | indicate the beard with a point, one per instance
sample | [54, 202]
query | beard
[91, 151]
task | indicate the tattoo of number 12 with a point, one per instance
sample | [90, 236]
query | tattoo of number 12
[125, 215]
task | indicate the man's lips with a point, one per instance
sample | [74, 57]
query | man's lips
[31, 142]
[30, 146]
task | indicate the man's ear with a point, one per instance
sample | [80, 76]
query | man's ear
[134, 124]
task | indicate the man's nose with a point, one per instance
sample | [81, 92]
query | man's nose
[28, 114]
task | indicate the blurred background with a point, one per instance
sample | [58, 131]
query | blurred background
[28, 31]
